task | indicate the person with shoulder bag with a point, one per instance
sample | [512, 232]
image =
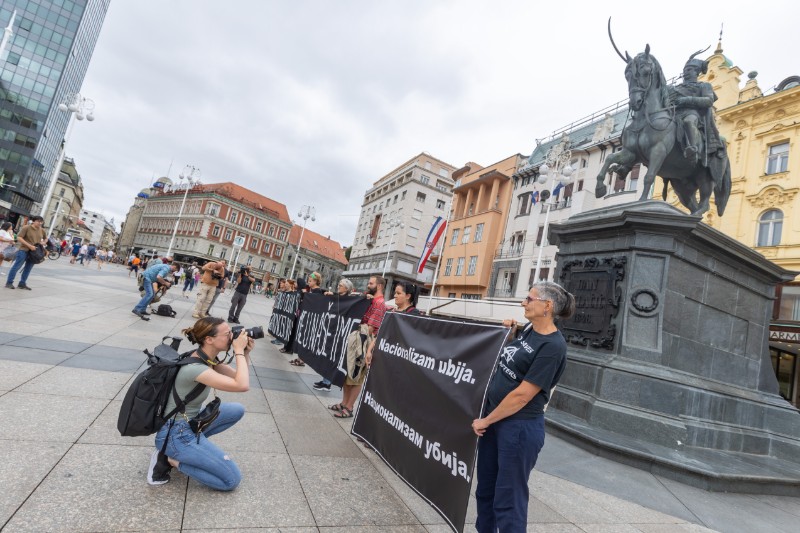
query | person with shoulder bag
[185, 439]
[30, 247]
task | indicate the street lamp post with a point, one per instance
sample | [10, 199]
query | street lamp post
[55, 217]
[393, 225]
[306, 212]
[192, 176]
[556, 166]
[79, 108]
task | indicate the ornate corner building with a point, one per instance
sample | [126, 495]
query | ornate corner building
[762, 131]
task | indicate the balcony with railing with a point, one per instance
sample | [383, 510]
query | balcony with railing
[560, 204]
[509, 251]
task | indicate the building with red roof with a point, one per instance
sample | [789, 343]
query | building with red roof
[218, 221]
[317, 253]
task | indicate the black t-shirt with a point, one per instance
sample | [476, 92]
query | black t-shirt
[538, 359]
[244, 285]
[221, 282]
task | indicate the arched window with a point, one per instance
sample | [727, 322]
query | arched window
[769, 228]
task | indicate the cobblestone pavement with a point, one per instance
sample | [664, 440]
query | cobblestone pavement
[69, 348]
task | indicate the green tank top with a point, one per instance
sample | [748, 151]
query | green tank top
[185, 381]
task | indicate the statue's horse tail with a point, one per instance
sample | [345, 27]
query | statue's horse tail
[722, 189]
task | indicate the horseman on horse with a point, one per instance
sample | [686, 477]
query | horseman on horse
[672, 132]
[697, 131]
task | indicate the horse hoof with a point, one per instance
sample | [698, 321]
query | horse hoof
[600, 190]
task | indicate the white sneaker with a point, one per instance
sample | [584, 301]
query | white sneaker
[160, 477]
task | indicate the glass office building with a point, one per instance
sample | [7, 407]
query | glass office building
[44, 60]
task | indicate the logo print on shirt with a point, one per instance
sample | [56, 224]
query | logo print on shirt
[508, 353]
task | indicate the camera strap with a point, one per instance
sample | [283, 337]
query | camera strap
[206, 359]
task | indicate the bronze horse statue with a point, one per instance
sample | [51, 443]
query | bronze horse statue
[652, 138]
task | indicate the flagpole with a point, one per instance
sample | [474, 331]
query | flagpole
[439, 260]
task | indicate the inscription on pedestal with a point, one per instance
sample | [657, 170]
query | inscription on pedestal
[594, 283]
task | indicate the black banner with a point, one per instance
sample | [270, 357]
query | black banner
[322, 330]
[283, 314]
[427, 384]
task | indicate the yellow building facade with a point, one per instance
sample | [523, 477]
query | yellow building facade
[481, 199]
[762, 133]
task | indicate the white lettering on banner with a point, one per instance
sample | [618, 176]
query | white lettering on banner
[432, 449]
[313, 330]
[409, 354]
[459, 371]
[281, 326]
[399, 425]
[449, 460]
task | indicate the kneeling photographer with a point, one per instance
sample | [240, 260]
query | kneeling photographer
[244, 280]
[188, 448]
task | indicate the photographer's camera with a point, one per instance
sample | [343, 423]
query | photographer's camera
[256, 332]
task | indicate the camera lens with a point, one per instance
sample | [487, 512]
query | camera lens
[256, 332]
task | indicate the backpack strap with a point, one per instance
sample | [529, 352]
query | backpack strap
[180, 405]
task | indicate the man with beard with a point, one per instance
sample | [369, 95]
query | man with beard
[370, 323]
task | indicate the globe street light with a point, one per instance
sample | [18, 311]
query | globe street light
[393, 225]
[191, 175]
[556, 166]
[306, 212]
[80, 108]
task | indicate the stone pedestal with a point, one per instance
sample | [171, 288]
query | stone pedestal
[669, 368]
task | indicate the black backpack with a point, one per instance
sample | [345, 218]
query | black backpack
[143, 409]
[166, 310]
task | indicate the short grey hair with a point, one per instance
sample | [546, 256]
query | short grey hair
[347, 284]
[563, 302]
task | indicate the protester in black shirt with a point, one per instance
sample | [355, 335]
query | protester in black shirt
[312, 286]
[512, 427]
[243, 282]
[405, 298]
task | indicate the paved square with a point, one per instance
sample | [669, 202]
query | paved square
[69, 348]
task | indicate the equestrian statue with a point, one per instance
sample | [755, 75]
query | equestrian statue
[672, 132]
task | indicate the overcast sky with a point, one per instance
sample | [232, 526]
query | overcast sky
[310, 102]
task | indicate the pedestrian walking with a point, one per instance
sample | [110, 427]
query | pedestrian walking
[244, 281]
[135, 262]
[91, 253]
[213, 272]
[511, 430]
[76, 250]
[28, 238]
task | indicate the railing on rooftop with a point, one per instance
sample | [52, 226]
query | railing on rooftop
[595, 116]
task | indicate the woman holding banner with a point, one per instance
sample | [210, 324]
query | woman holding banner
[512, 428]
